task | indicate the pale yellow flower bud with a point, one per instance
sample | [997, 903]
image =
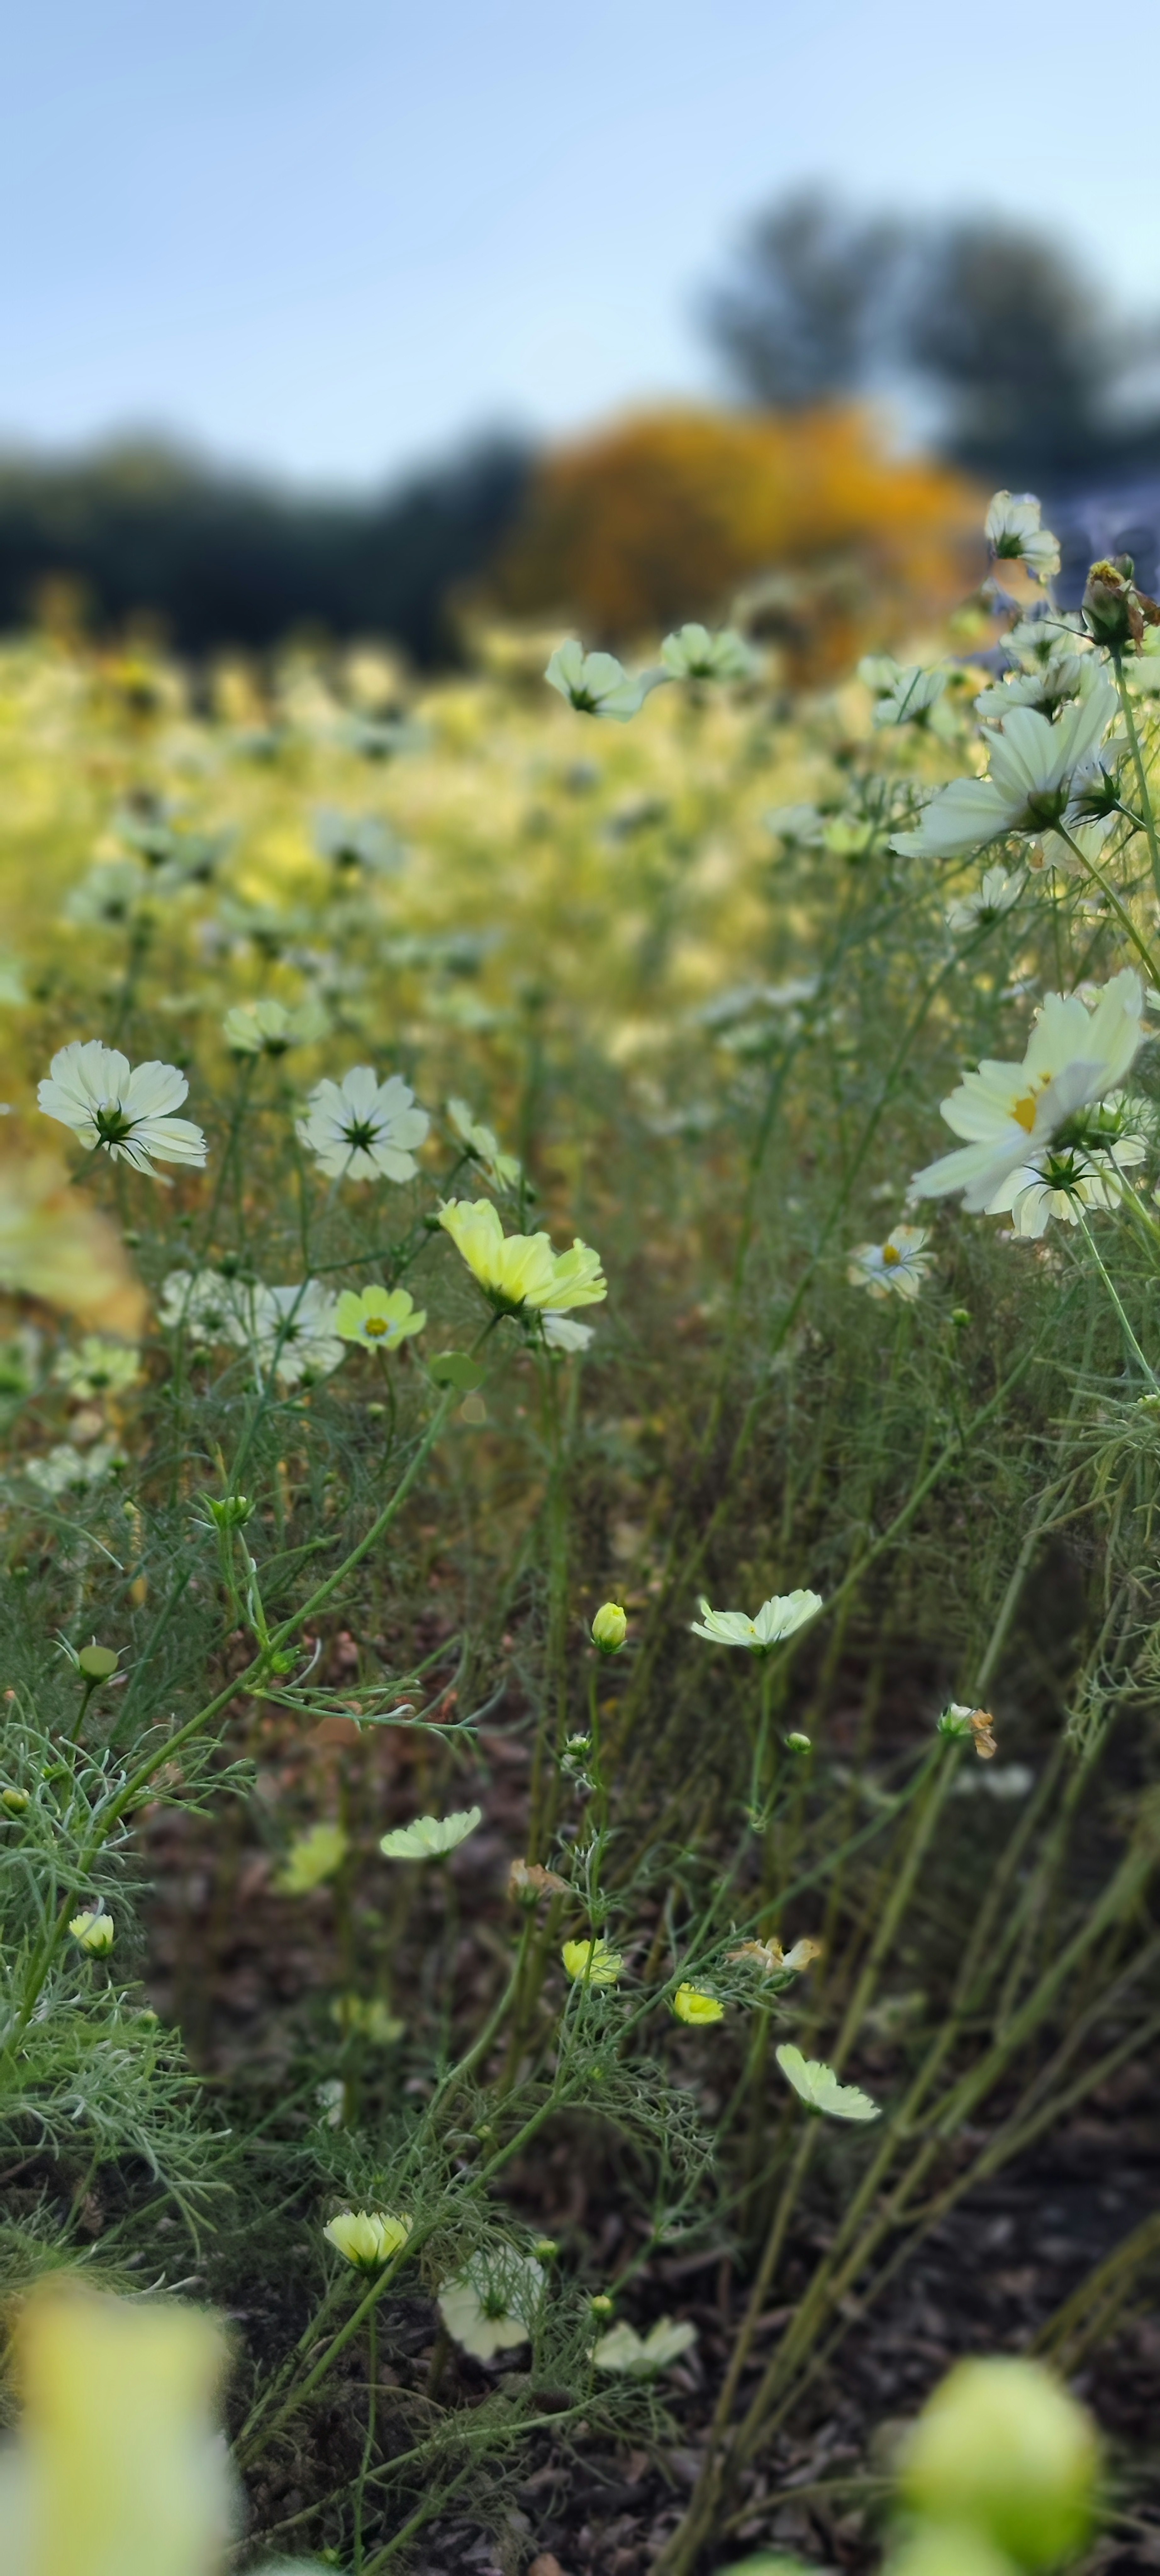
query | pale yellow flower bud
[367, 2237]
[609, 1628]
[95, 1933]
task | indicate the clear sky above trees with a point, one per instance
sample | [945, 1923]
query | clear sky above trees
[333, 238]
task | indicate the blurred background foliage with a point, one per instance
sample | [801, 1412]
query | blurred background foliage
[985, 339]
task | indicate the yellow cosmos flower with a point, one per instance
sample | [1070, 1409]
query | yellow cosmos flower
[591, 1963]
[311, 1860]
[380, 1317]
[521, 1271]
[95, 1932]
[367, 2237]
[692, 2004]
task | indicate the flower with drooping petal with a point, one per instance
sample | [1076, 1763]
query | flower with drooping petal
[430, 1837]
[1036, 771]
[641, 2356]
[1015, 534]
[591, 1963]
[777, 1618]
[818, 2087]
[995, 896]
[96, 1368]
[695, 2006]
[492, 2305]
[502, 1170]
[367, 2237]
[1010, 1113]
[269, 1028]
[692, 653]
[361, 1129]
[562, 1333]
[125, 1109]
[94, 1931]
[379, 1317]
[311, 1860]
[596, 684]
[517, 1271]
[895, 1268]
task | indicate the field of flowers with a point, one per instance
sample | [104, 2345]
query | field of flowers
[578, 1797]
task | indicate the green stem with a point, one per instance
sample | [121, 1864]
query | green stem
[1141, 773]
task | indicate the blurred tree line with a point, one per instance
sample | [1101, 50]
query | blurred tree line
[1012, 362]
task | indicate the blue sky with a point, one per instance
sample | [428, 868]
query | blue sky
[335, 239]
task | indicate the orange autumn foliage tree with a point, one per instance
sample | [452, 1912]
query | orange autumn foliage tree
[667, 514]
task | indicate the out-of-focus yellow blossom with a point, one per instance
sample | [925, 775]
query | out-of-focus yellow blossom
[694, 2005]
[517, 1271]
[1004, 2450]
[311, 1859]
[591, 1963]
[367, 2237]
[380, 1317]
[95, 1931]
[430, 1837]
[117, 2469]
[55, 1247]
[366, 2017]
[609, 1628]
[269, 1028]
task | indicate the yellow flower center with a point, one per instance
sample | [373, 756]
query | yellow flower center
[1023, 1111]
[890, 1254]
[375, 1326]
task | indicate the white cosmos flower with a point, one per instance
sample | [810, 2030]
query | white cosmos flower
[204, 1305]
[694, 654]
[1065, 674]
[356, 841]
[292, 1331]
[492, 2305]
[1035, 770]
[109, 896]
[361, 1129]
[269, 1028]
[990, 900]
[1011, 1113]
[1080, 1169]
[909, 692]
[66, 1469]
[1052, 851]
[596, 684]
[1015, 534]
[896, 1267]
[777, 1618]
[502, 1170]
[127, 1109]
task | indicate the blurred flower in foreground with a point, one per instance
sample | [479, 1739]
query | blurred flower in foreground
[502, 1170]
[367, 2237]
[1002, 2450]
[123, 1108]
[311, 1860]
[596, 684]
[591, 1963]
[55, 1247]
[694, 654]
[1014, 534]
[356, 841]
[361, 1129]
[95, 1931]
[519, 1270]
[1010, 1113]
[430, 1837]
[69, 1470]
[491, 2306]
[894, 1268]
[268, 1028]
[777, 1618]
[818, 2087]
[380, 1317]
[694, 2005]
[638, 2356]
[116, 2469]
[366, 2017]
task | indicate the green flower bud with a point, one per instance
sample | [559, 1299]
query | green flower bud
[609, 1628]
[1002, 2450]
[955, 1722]
[961, 1315]
[601, 2305]
[231, 1512]
[14, 1800]
[797, 1743]
[97, 1662]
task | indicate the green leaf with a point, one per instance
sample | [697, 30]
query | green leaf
[818, 2087]
[457, 1368]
